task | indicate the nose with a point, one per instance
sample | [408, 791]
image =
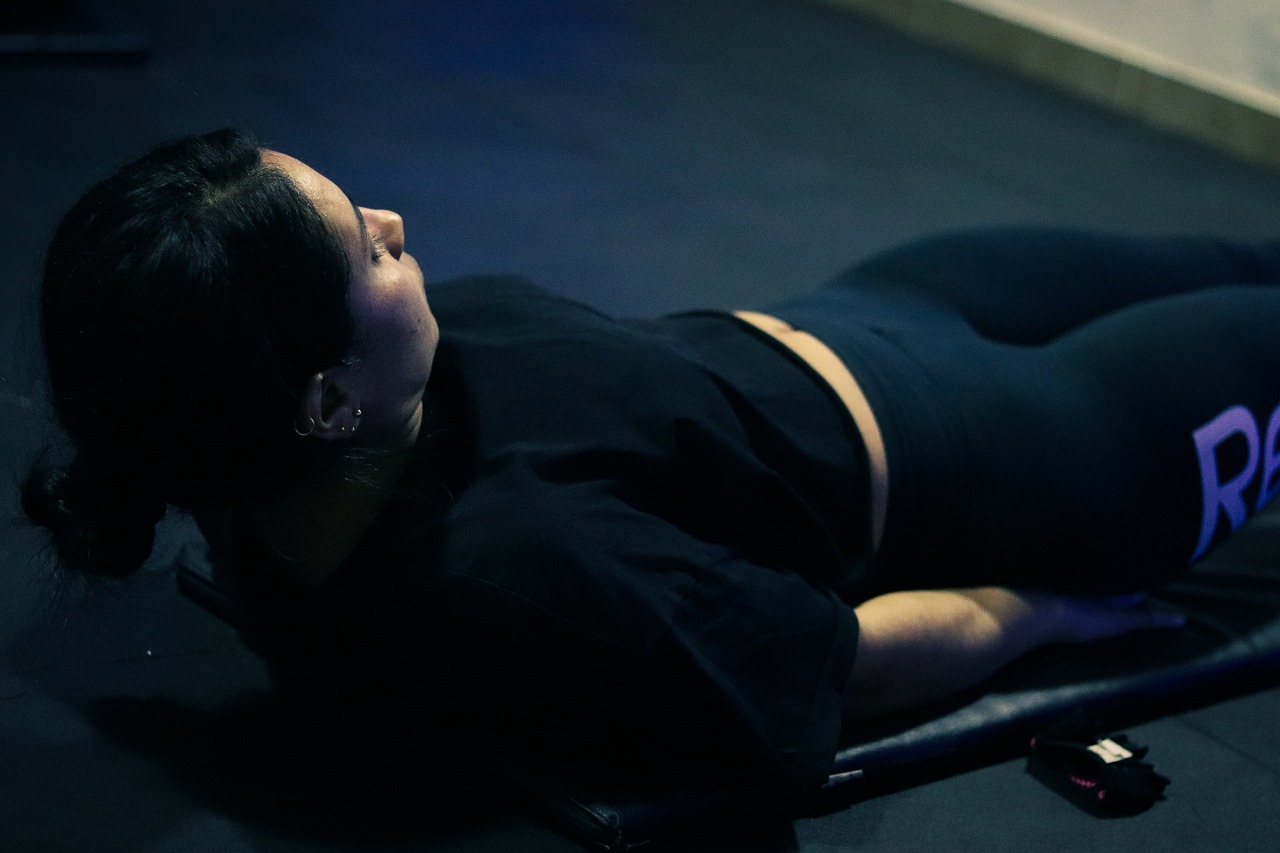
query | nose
[388, 225]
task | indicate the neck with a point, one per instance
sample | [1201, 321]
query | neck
[313, 526]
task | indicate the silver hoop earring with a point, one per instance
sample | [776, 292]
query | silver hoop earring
[311, 427]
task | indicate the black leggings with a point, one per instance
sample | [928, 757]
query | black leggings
[1062, 409]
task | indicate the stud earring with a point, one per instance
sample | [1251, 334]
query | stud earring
[358, 413]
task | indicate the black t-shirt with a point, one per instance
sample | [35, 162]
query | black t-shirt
[612, 532]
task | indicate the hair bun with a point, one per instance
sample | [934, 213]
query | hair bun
[102, 523]
[44, 496]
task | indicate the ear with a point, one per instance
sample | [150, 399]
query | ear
[329, 408]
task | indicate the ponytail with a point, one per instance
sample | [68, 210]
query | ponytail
[102, 519]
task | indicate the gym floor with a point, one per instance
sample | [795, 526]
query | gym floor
[639, 156]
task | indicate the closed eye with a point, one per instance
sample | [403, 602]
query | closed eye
[378, 245]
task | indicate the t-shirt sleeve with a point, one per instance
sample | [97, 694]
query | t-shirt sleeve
[578, 608]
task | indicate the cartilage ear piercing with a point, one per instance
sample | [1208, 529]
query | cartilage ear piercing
[358, 413]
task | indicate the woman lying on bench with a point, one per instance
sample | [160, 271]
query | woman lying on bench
[506, 511]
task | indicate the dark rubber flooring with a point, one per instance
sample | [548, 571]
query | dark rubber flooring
[641, 156]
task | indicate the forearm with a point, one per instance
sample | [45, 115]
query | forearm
[918, 646]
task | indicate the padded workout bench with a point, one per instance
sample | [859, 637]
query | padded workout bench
[1231, 645]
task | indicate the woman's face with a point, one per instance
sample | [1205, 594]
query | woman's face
[396, 333]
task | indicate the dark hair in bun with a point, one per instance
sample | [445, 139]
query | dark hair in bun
[103, 521]
[185, 301]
